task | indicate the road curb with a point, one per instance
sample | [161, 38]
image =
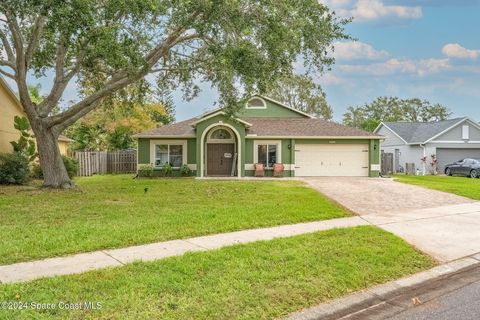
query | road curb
[380, 294]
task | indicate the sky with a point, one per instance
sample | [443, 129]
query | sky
[428, 49]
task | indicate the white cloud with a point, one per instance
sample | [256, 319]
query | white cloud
[331, 79]
[357, 50]
[398, 66]
[454, 50]
[373, 10]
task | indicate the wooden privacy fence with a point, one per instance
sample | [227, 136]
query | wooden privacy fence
[102, 162]
[387, 163]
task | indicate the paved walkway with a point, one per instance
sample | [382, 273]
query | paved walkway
[83, 262]
[441, 224]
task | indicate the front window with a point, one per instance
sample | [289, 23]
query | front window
[168, 153]
[267, 154]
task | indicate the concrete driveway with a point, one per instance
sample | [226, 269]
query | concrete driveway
[443, 225]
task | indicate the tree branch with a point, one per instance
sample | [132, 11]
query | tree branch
[7, 47]
[60, 81]
[36, 35]
[21, 68]
[120, 80]
[8, 74]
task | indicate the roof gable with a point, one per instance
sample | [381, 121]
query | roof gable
[420, 132]
[219, 113]
[273, 109]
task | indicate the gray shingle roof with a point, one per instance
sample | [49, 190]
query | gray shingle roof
[419, 132]
[268, 127]
[180, 129]
[302, 127]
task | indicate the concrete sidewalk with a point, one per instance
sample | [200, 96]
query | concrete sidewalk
[83, 262]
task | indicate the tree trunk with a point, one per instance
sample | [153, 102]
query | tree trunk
[54, 173]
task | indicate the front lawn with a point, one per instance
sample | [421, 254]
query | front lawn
[461, 186]
[116, 211]
[262, 280]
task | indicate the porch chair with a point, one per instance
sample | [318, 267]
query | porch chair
[278, 170]
[259, 170]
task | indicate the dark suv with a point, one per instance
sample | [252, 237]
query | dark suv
[466, 167]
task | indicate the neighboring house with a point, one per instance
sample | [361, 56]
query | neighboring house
[9, 108]
[449, 140]
[263, 131]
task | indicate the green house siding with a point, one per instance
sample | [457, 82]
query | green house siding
[272, 111]
[374, 157]
[219, 120]
[192, 151]
[143, 151]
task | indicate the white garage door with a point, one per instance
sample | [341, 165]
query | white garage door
[325, 160]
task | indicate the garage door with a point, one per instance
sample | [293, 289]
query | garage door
[448, 156]
[320, 160]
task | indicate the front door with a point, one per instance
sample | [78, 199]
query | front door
[220, 159]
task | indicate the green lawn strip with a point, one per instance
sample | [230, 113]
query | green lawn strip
[262, 280]
[115, 211]
[465, 187]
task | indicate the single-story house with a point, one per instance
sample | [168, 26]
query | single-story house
[262, 131]
[9, 108]
[449, 140]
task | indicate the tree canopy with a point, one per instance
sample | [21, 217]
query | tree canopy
[238, 46]
[112, 124]
[302, 93]
[392, 109]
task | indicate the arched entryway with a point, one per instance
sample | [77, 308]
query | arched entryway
[220, 151]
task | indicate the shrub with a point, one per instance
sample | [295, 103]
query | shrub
[185, 170]
[145, 170]
[13, 168]
[36, 171]
[167, 169]
[71, 165]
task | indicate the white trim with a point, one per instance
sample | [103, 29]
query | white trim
[317, 137]
[285, 106]
[202, 147]
[219, 113]
[396, 134]
[256, 97]
[473, 141]
[375, 167]
[278, 143]
[465, 132]
[163, 137]
[231, 140]
[154, 142]
[452, 142]
[251, 166]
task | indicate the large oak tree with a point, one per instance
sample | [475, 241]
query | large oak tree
[239, 46]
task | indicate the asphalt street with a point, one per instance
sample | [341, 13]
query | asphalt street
[461, 304]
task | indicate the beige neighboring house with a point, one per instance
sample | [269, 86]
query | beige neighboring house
[9, 108]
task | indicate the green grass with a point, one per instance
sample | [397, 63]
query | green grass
[114, 211]
[461, 186]
[262, 280]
